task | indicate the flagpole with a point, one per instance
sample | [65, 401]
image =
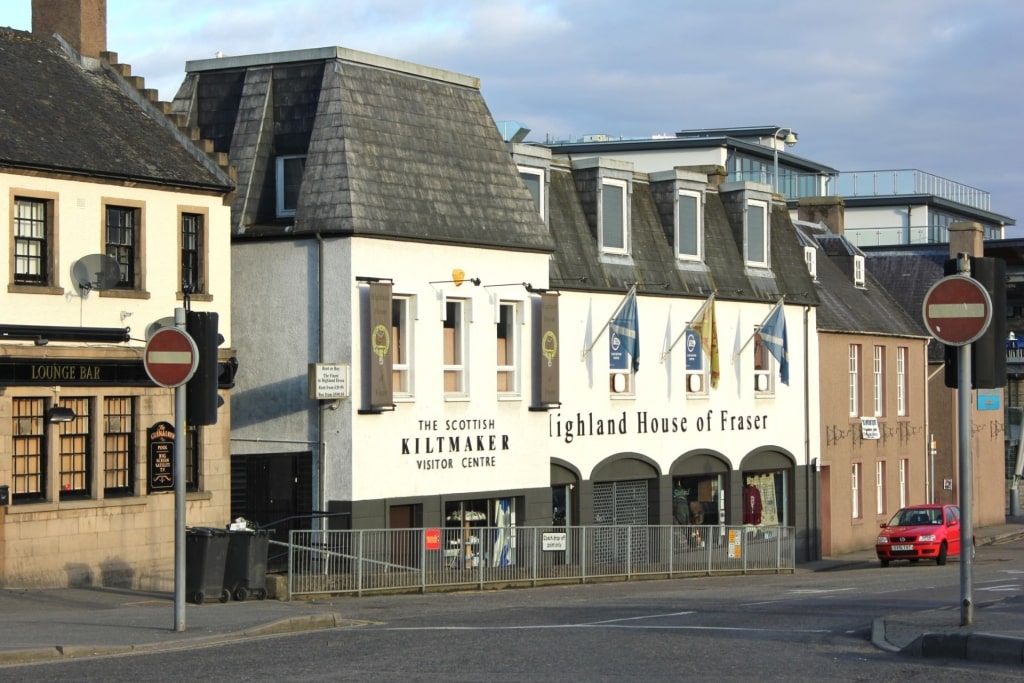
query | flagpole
[689, 325]
[772, 311]
[617, 309]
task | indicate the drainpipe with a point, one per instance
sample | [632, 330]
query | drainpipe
[321, 456]
[811, 511]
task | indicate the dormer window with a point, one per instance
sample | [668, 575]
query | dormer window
[756, 234]
[533, 178]
[811, 259]
[613, 219]
[289, 180]
[858, 270]
[689, 226]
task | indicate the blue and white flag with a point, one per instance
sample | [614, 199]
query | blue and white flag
[624, 331]
[773, 336]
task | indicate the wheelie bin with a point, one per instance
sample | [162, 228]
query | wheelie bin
[206, 552]
[245, 572]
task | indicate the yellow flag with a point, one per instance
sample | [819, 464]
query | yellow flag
[708, 330]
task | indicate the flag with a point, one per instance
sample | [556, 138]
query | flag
[773, 335]
[708, 329]
[625, 327]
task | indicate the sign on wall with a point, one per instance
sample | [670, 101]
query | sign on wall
[160, 447]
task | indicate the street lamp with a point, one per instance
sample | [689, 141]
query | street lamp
[790, 140]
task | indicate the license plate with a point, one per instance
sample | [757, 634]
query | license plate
[901, 548]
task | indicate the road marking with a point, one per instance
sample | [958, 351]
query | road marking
[1012, 587]
[816, 591]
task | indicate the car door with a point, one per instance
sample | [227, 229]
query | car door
[952, 515]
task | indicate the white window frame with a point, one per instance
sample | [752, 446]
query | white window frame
[880, 487]
[858, 270]
[281, 164]
[456, 359]
[903, 482]
[509, 363]
[401, 346]
[541, 197]
[901, 381]
[623, 186]
[878, 379]
[698, 198]
[811, 259]
[853, 372]
[756, 205]
[764, 376]
[855, 490]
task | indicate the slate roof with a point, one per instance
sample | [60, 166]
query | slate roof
[847, 308]
[393, 150]
[578, 265]
[57, 115]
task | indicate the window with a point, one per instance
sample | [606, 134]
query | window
[533, 178]
[854, 379]
[901, 381]
[811, 259]
[118, 445]
[508, 348]
[193, 245]
[33, 237]
[289, 180]
[401, 346]
[122, 244]
[878, 379]
[880, 487]
[192, 453]
[904, 479]
[28, 462]
[858, 270]
[762, 365]
[614, 238]
[455, 347]
[689, 233]
[756, 242]
[855, 475]
[75, 448]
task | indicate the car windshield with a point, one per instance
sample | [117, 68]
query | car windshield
[916, 517]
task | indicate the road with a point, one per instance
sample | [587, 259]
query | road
[806, 626]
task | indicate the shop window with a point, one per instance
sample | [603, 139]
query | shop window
[28, 461]
[689, 226]
[288, 182]
[614, 230]
[193, 256]
[766, 498]
[698, 501]
[75, 450]
[508, 348]
[33, 241]
[480, 532]
[455, 330]
[118, 445]
[123, 244]
[401, 346]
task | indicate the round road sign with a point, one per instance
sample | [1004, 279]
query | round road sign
[957, 310]
[171, 357]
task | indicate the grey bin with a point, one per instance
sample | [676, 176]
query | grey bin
[245, 572]
[206, 552]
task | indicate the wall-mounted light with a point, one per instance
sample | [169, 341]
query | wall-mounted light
[58, 414]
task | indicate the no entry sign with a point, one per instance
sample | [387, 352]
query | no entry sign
[957, 310]
[171, 357]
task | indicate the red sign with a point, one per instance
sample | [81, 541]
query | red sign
[432, 539]
[171, 357]
[957, 310]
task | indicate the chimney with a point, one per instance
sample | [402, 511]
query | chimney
[82, 23]
[828, 210]
[966, 237]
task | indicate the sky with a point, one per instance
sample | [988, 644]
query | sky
[934, 85]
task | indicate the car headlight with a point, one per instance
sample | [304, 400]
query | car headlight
[881, 540]
[926, 537]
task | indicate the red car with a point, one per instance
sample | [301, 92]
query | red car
[920, 532]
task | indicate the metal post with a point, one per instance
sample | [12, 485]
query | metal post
[179, 493]
[966, 474]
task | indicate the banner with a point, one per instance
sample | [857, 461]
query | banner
[381, 345]
[548, 352]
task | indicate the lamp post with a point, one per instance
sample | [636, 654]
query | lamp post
[790, 140]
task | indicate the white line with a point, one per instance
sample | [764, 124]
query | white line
[651, 616]
[175, 357]
[603, 625]
[961, 310]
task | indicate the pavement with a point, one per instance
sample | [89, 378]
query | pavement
[41, 625]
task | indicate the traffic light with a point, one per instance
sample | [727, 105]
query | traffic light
[201, 397]
[988, 352]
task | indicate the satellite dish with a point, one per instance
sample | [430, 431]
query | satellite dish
[95, 271]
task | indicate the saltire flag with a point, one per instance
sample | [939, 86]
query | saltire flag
[625, 325]
[773, 336]
[707, 327]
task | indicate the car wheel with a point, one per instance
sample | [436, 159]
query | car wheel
[883, 562]
[941, 559]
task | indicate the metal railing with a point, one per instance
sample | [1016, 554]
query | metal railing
[338, 562]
